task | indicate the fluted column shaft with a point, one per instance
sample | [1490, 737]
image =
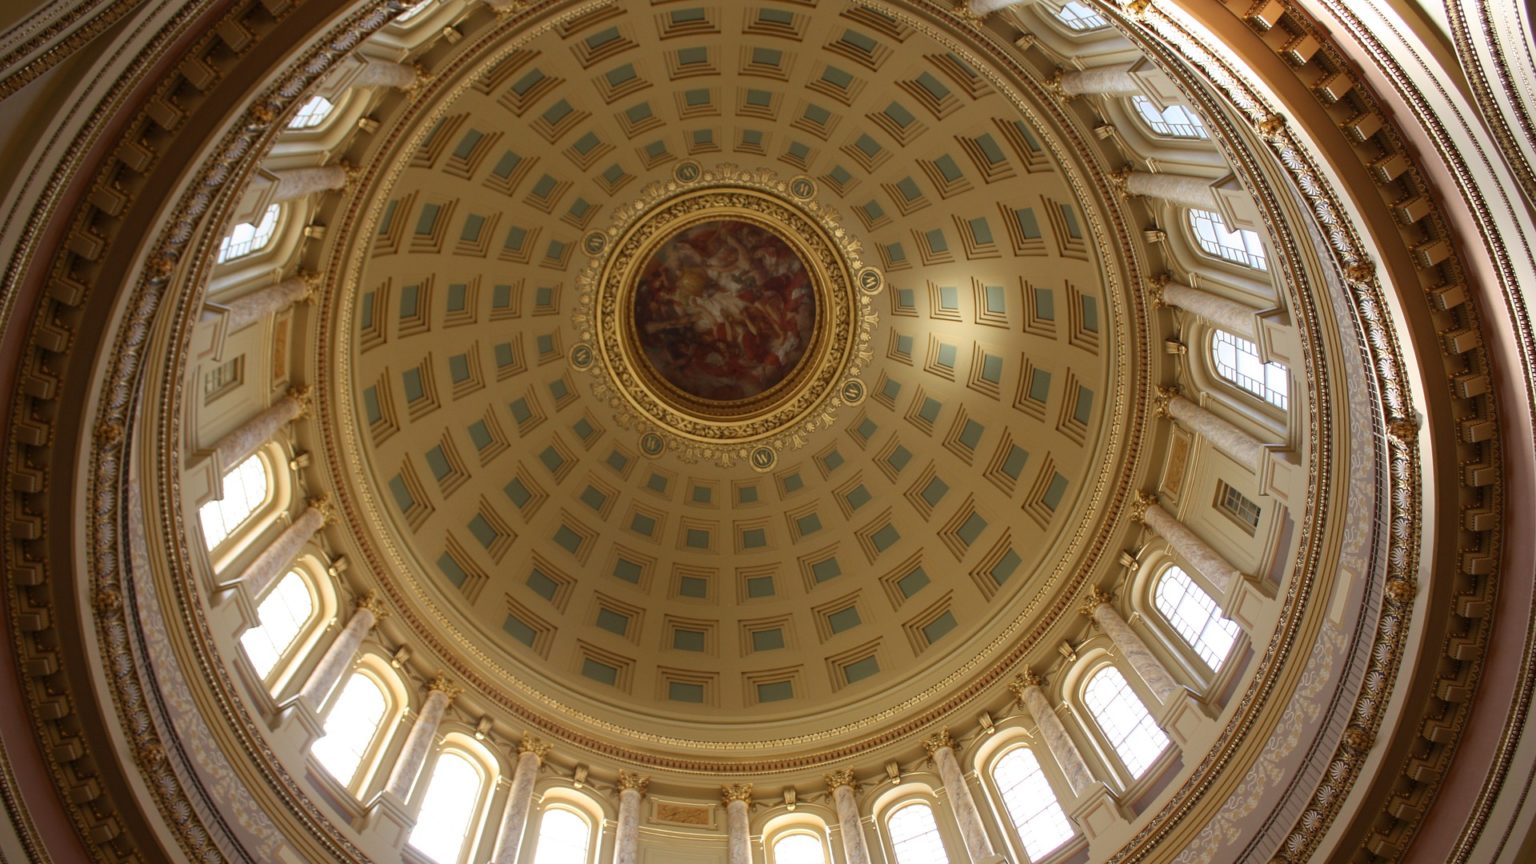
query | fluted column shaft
[514, 816]
[854, 848]
[1179, 188]
[737, 849]
[1108, 81]
[1063, 748]
[258, 430]
[972, 829]
[280, 555]
[265, 302]
[1227, 314]
[382, 73]
[418, 743]
[1199, 554]
[627, 837]
[1245, 449]
[338, 657]
[299, 182]
[1137, 653]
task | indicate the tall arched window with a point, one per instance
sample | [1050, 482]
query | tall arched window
[564, 837]
[282, 615]
[1031, 805]
[351, 727]
[311, 113]
[1175, 121]
[448, 808]
[1124, 720]
[1237, 360]
[915, 836]
[1240, 247]
[245, 490]
[1194, 615]
[1079, 17]
[248, 238]
[799, 848]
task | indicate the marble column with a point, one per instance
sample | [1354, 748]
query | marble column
[274, 560]
[1028, 689]
[266, 302]
[1180, 189]
[1105, 81]
[298, 182]
[1245, 449]
[1196, 552]
[382, 73]
[843, 786]
[250, 435]
[941, 747]
[737, 798]
[339, 655]
[1130, 646]
[627, 837]
[418, 744]
[1229, 315]
[514, 816]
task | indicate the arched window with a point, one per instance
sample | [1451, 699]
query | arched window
[448, 808]
[915, 836]
[1175, 121]
[1194, 616]
[1237, 360]
[282, 615]
[247, 238]
[1031, 805]
[351, 727]
[1124, 720]
[245, 490]
[1240, 247]
[798, 848]
[311, 113]
[564, 837]
[1079, 17]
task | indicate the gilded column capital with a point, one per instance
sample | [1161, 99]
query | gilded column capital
[1023, 681]
[1096, 597]
[1053, 84]
[373, 603]
[530, 744]
[939, 740]
[441, 684]
[633, 780]
[841, 777]
[305, 396]
[971, 16]
[736, 792]
[323, 505]
[351, 171]
[1138, 8]
[311, 281]
[1143, 502]
[1164, 394]
[1155, 286]
[1120, 178]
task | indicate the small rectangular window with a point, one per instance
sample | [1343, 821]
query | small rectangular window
[1238, 506]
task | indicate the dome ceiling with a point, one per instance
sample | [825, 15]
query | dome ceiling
[912, 534]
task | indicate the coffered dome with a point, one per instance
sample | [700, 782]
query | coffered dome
[914, 540]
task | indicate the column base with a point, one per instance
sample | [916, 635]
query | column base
[387, 824]
[1183, 719]
[1248, 602]
[1097, 812]
[1280, 475]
